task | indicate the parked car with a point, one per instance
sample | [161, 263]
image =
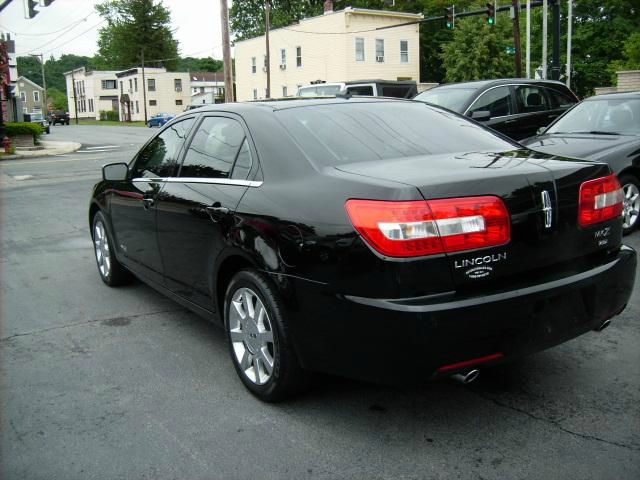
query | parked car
[59, 117]
[516, 108]
[159, 119]
[379, 239]
[38, 118]
[604, 128]
[371, 88]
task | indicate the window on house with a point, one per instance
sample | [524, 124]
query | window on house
[255, 93]
[130, 85]
[379, 50]
[23, 96]
[25, 110]
[178, 102]
[359, 49]
[201, 89]
[265, 61]
[109, 84]
[253, 64]
[121, 89]
[135, 84]
[137, 107]
[177, 84]
[404, 51]
[91, 104]
[152, 103]
[284, 91]
[298, 56]
[151, 84]
[283, 57]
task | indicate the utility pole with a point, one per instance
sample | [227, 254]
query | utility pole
[75, 98]
[226, 52]
[516, 37]
[555, 63]
[144, 86]
[569, 32]
[45, 108]
[528, 38]
[268, 57]
[545, 14]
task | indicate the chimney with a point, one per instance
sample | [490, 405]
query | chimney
[328, 6]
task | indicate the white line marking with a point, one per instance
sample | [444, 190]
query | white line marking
[103, 146]
[22, 177]
[18, 163]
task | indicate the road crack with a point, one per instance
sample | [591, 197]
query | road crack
[88, 322]
[555, 423]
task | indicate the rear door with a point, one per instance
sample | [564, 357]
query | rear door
[560, 102]
[534, 110]
[196, 207]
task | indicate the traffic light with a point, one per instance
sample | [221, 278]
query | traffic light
[450, 17]
[491, 14]
[31, 8]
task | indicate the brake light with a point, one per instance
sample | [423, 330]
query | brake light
[427, 227]
[600, 200]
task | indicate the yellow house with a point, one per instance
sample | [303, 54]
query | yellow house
[335, 47]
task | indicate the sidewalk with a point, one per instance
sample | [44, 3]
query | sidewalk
[50, 148]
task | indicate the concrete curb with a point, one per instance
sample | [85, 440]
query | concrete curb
[51, 147]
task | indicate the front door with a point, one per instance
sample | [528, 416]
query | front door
[196, 208]
[133, 206]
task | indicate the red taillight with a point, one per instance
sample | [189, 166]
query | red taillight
[426, 227]
[600, 200]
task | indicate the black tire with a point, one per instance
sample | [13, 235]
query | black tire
[287, 377]
[631, 213]
[115, 274]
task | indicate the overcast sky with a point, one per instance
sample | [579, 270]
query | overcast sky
[71, 26]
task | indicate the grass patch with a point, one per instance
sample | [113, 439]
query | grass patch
[84, 121]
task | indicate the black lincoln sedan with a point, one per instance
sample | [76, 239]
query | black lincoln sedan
[603, 128]
[385, 240]
[514, 107]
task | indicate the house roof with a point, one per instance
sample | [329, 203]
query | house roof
[207, 76]
[25, 79]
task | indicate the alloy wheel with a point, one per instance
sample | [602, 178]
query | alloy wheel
[101, 245]
[251, 335]
[631, 209]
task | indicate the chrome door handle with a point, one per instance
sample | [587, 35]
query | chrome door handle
[217, 208]
[147, 203]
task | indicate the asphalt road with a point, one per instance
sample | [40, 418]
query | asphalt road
[123, 383]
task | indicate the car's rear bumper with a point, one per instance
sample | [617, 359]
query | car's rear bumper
[416, 339]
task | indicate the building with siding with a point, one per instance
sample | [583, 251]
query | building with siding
[334, 47]
[95, 91]
[207, 87]
[29, 97]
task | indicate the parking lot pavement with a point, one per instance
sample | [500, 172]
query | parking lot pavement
[124, 383]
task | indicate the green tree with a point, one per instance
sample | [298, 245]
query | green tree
[134, 26]
[477, 51]
[58, 98]
[190, 64]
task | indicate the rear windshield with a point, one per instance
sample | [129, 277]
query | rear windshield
[451, 98]
[336, 134]
[319, 91]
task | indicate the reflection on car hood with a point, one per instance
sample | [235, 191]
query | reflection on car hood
[587, 146]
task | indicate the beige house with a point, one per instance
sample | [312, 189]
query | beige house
[29, 97]
[166, 92]
[95, 90]
[334, 47]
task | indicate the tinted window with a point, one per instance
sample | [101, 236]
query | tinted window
[531, 99]
[243, 162]
[559, 99]
[497, 101]
[451, 98]
[356, 132]
[159, 158]
[361, 90]
[213, 149]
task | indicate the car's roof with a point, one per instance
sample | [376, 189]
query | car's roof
[477, 84]
[293, 102]
[614, 96]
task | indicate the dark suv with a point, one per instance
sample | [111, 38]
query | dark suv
[59, 116]
[513, 106]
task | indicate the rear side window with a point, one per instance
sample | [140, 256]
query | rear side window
[451, 98]
[531, 98]
[361, 90]
[214, 149]
[497, 101]
[560, 100]
[354, 132]
[159, 158]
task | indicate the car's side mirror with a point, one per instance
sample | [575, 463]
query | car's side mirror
[115, 172]
[541, 130]
[481, 115]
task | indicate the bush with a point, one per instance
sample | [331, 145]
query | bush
[23, 128]
[110, 115]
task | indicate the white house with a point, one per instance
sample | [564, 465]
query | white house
[206, 87]
[334, 47]
[95, 91]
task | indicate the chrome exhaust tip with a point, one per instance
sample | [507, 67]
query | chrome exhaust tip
[603, 325]
[466, 377]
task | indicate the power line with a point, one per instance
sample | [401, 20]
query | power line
[67, 41]
[71, 25]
